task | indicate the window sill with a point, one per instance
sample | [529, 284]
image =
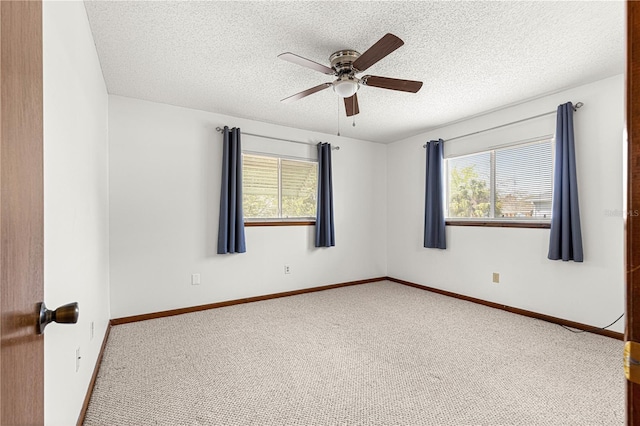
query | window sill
[498, 224]
[281, 223]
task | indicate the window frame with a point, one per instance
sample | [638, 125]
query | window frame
[492, 221]
[282, 221]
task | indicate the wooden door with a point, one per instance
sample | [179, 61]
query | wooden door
[632, 329]
[21, 213]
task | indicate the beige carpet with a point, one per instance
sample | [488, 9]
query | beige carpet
[373, 354]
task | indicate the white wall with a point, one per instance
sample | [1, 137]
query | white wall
[76, 204]
[164, 201]
[591, 292]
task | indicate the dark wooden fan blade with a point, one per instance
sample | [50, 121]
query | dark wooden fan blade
[391, 83]
[306, 93]
[304, 62]
[382, 48]
[351, 105]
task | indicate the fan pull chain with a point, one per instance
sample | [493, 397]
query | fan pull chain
[353, 100]
[339, 115]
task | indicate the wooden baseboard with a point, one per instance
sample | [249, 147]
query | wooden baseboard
[162, 314]
[531, 314]
[92, 383]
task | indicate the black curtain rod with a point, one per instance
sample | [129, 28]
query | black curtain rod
[575, 108]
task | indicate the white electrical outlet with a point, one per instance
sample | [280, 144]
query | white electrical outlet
[496, 278]
[287, 269]
[78, 359]
[195, 279]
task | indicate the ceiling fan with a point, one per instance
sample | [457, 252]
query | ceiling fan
[345, 64]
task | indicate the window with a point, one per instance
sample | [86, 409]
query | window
[507, 184]
[278, 189]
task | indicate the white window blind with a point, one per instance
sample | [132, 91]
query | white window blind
[513, 183]
[524, 181]
[299, 188]
[259, 186]
[278, 188]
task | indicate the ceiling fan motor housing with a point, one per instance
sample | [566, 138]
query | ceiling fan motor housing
[342, 61]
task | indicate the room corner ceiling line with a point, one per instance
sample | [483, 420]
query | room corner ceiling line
[333, 147]
[575, 108]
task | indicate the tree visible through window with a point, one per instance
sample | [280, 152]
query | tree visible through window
[503, 184]
[278, 188]
[470, 186]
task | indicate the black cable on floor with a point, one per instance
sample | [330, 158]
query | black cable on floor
[594, 328]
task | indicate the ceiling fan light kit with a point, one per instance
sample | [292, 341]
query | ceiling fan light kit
[346, 86]
[345, 64]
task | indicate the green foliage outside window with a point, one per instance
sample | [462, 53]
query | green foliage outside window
[469, 195]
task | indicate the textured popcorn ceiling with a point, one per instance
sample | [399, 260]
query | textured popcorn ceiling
[472, 56]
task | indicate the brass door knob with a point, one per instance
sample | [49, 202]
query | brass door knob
[66, 314]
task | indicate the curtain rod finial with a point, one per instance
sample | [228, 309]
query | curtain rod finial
[578, 105]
